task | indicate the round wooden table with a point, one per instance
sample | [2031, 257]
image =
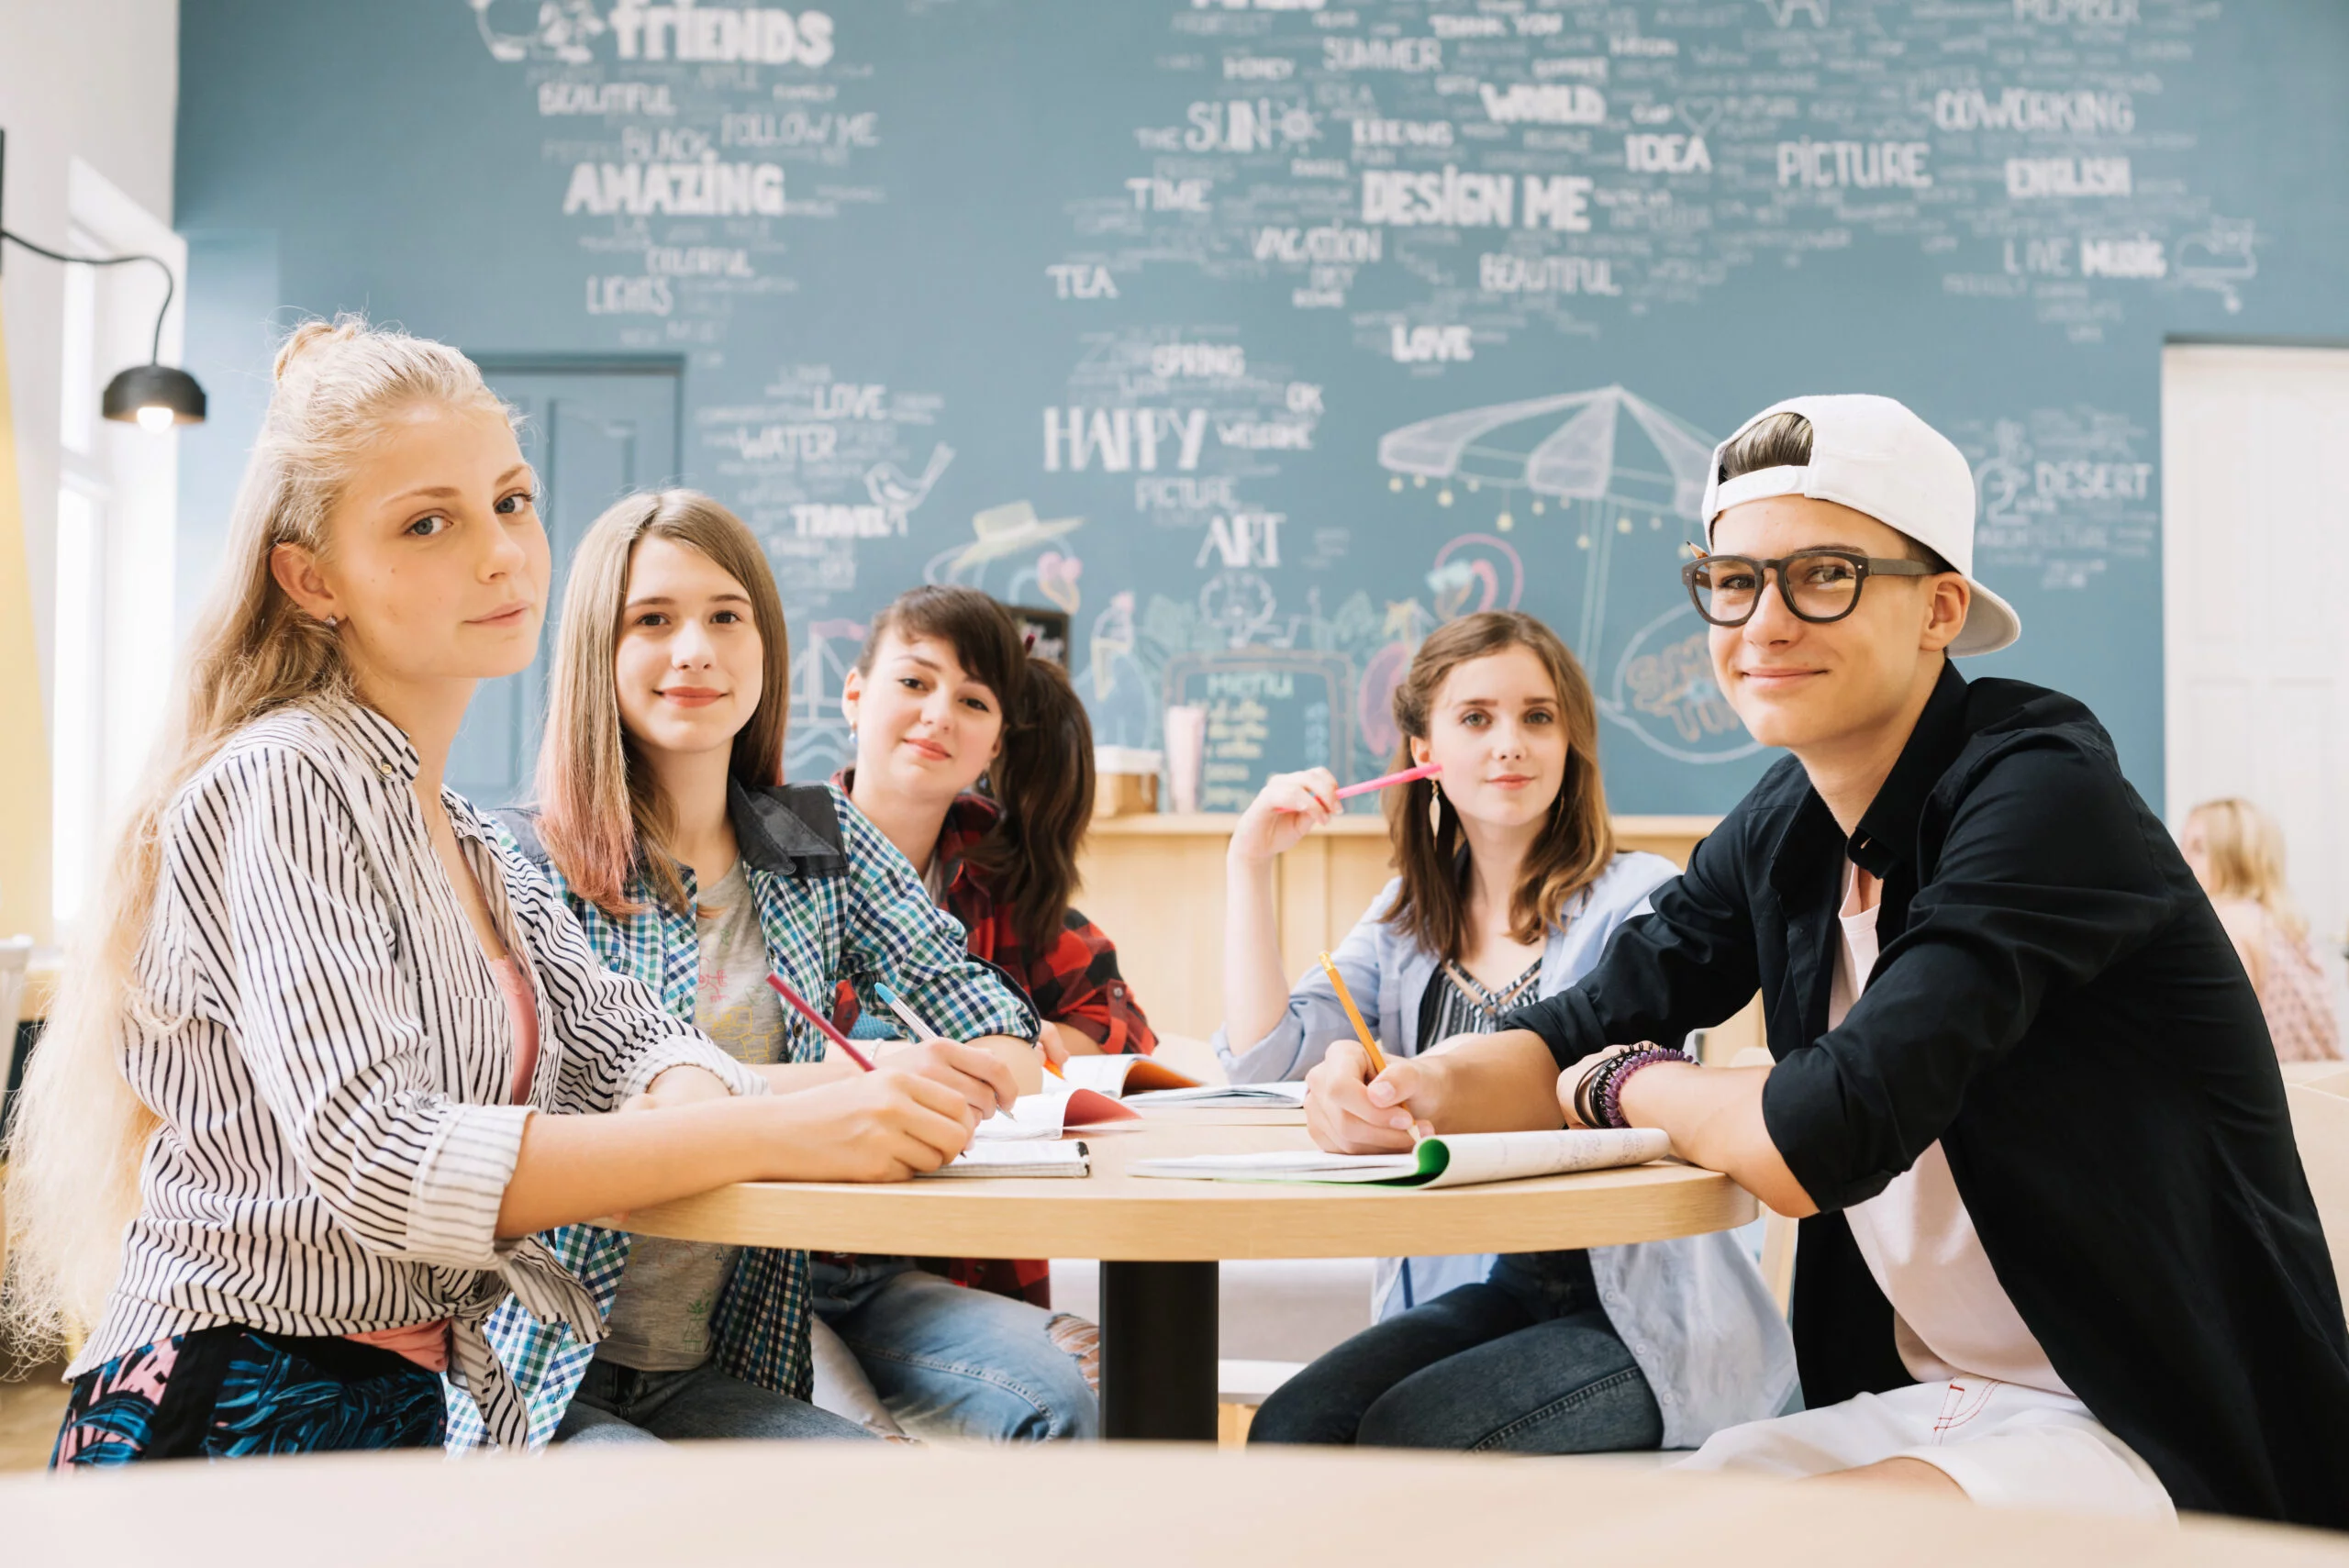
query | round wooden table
[1159, 1241]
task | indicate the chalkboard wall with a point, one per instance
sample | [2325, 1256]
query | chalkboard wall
[1261, 336]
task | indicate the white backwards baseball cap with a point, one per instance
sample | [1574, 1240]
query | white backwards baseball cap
[1874, 455]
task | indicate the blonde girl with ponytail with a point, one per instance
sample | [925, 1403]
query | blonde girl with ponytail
[328, 1056]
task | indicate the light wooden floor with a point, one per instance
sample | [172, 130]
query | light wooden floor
[30, 1407]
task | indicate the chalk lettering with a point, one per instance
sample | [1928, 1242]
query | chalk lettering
[2084, 13]
[1121, 439]
[1081, 280]
[786, 443]
[2083, 113]
[1335, 244]
[707, 189]
[799, 127]
[1265, 435]
[1417, 345]
[2140, 256]
[1864, 164]
[698, 261]
[1243, 539]
[627, 295]
[1644, 153]
[1452, 199]
[1382, 54]
[1402, 133]
[1152, 194]
[1247, 125]
[721, 35]
[1560, 201]
[604, 98]
[1526, 103]
[1258, 68]
[1185, 494]
[1168, 361]
[818, 519]
[2029, 178]
[1499, 273]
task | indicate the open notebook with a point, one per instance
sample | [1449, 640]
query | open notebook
[1454, 1160]
[1050, 1114]
[1118, 1076]
[1222, 1096]
[1016, 1160]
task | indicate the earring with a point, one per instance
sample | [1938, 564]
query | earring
[332, 622]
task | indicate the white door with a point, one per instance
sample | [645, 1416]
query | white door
[2256, 627]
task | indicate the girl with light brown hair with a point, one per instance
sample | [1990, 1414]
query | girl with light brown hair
[2236, 852]
[328, 1056]
[664, 822]
[1510, 887]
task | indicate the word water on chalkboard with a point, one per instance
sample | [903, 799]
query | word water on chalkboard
[1270, 710]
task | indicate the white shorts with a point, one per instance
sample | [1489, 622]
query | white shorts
[2006, 1445]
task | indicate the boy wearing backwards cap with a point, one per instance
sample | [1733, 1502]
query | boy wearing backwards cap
[2057, 1249]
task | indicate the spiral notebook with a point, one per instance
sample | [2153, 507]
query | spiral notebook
[1452, 1160]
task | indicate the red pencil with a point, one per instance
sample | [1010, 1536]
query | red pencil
[1408, 775]
[800, 1003]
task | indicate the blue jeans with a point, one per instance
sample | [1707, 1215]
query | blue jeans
[952, 1361]
[619, 1405]
[1526, 1362]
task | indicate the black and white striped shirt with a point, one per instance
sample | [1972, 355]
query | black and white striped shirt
[331, 1057]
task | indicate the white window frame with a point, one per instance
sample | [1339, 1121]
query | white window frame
[124, 644]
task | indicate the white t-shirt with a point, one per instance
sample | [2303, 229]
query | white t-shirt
[1950, 1316]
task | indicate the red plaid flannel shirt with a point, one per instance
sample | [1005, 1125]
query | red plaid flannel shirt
[1073, 982]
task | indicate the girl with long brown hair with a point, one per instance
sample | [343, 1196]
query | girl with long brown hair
[325, 1061]
[1511, 886]
[663, 821]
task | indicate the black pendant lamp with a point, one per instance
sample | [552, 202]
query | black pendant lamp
[153, 396]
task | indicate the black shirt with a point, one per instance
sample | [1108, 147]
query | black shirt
[2057, 1004]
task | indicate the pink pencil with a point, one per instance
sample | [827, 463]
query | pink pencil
[1408, 775]
[800, 1003]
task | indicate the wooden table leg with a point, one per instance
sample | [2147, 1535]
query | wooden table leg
[1158, 1352]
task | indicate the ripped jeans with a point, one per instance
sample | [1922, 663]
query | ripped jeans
[952, 1361]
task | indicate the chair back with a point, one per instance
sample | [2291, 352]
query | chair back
[2321, 1126]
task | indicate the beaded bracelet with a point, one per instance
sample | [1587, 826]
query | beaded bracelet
[1589, 1089]
[1611, 1099]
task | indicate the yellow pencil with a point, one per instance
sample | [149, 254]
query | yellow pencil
[1346, 999]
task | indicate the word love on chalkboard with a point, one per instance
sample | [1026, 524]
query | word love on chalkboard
[1270, 710]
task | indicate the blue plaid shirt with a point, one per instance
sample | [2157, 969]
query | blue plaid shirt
[858, 913]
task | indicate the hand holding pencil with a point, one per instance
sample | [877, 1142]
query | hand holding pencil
[1290, 806]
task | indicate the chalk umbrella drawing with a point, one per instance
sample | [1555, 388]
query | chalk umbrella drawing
[1610, 467]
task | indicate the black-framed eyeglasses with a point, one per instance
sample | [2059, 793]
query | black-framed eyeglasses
[1819, 585]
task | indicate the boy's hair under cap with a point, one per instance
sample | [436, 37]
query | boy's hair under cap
[1875, 455]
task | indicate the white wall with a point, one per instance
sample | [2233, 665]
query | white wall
[97, 81]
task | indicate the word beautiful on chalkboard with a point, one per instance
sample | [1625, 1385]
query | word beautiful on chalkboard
[1270, 710]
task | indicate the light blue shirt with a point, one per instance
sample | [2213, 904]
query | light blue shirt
[1693, 1312]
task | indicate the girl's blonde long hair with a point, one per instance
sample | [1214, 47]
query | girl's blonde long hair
[2246, 848]
[75, 1151]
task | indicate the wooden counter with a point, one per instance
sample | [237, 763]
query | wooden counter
[1155, 883]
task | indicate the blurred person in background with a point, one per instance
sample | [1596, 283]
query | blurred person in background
[2237, 853]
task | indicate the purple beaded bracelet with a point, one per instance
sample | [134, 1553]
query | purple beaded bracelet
[1611, 1093]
